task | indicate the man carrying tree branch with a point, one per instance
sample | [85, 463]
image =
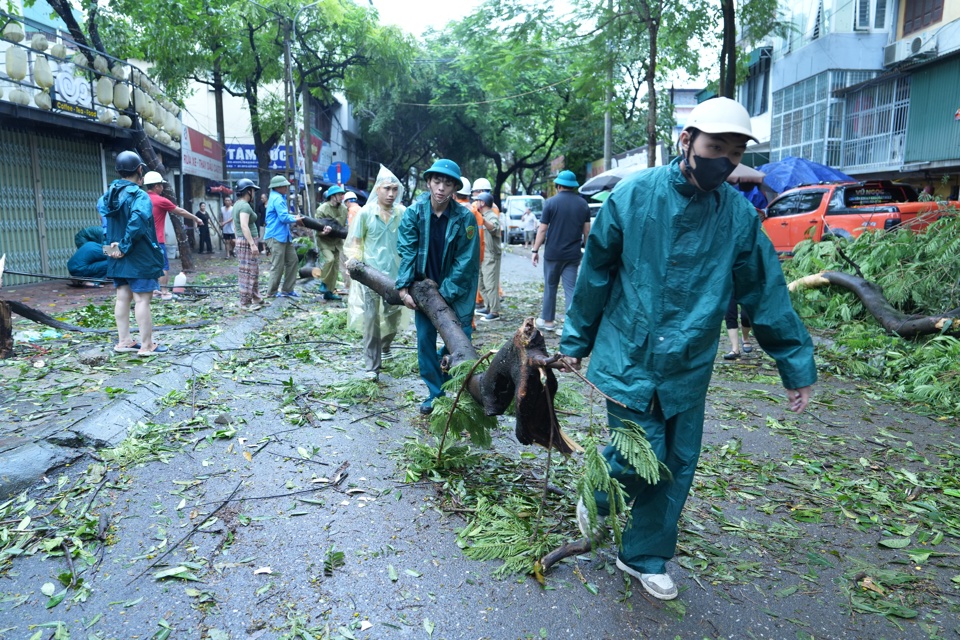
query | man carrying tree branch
[669, 248]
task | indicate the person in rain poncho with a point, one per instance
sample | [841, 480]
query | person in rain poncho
[670, 247]
[373, 240]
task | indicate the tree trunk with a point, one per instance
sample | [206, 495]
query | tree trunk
[728, 53]
[516, 373]
[6, 331]
[874, 301]
[150, 157]
[317, 224]
[41, 318]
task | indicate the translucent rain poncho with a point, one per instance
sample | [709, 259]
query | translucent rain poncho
[373, 241]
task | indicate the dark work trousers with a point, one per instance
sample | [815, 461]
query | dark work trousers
[553, 272]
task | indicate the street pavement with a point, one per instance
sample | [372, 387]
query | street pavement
[238, 530]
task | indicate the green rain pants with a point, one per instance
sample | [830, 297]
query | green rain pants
[651, 538]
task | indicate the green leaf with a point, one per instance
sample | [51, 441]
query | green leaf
[895, 543]
[392, 572]
[413, 573]
[428, 626]
[48, 589]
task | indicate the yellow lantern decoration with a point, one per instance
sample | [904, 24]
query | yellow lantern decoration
[105, 90]
[39, 42]
[42, 100]
[12, 32]
[105, 116]
[121, 95]
[58, 50]
[81, 60]
[19, 96]
[41, 72]
[100, 64]
[16, 63]
[124, 121]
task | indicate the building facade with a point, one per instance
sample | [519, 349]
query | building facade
[866, 86]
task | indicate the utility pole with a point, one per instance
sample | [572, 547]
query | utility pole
[308, 194]
[608, 102]
[308, 201]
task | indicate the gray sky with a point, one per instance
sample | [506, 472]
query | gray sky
[414, 16]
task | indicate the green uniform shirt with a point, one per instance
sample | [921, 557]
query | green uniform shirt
[338, 213]
[660, 265]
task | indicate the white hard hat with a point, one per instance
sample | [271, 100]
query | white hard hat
[482, 184]
[152, 177]
[465, 189]
[720, 115]
[349, 195]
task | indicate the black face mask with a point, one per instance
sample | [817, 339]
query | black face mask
[710, 173]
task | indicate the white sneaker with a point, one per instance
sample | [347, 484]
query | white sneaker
[371, 376]
[659, 585]
[543, 326]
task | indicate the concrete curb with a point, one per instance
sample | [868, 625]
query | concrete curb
[24, 465]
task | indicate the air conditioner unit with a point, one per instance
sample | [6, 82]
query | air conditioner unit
[913, 49]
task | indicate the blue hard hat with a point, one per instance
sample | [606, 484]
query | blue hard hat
[334, 190]
[447, 168]
[567, 178]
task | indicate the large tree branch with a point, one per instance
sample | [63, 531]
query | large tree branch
[518, 373]
[874, 301]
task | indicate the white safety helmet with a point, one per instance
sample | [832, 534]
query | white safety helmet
[465, 189]
[152, 178]
[720, 115]
[349, 195]
[482, 184]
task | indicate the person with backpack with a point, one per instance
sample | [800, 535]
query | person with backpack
[135, 259]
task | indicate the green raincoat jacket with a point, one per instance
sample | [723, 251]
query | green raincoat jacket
[461, 254]
[660, 265]
[129, 216]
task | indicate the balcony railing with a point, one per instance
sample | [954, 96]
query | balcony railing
[44, 69]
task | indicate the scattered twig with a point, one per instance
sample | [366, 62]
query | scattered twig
[73, 573]
[570, 549]
[190, 533]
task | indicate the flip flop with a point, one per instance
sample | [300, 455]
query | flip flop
[128, 349]
[157, 349]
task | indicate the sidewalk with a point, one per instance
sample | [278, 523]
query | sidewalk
[48, 437]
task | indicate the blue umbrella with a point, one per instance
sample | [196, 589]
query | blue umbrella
[792, 172]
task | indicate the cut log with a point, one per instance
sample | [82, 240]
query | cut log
[318, 224]
[517, 372]
[871, 295]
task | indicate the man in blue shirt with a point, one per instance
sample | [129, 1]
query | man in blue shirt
[279, 239]
[438, 241]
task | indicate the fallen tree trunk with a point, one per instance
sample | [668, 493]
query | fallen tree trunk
[41, 318]
[520, 371]
[339, 231]
[871, 295]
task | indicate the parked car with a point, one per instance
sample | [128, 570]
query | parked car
[846, 210]
[513, 208]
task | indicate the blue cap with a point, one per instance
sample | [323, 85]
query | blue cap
[334, 190]
[447, 168]
[566, 178]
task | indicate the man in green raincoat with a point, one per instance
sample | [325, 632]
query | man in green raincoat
[669, 248]
[438, 240]
[331, 247]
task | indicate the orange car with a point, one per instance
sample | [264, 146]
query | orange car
[846, 210]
